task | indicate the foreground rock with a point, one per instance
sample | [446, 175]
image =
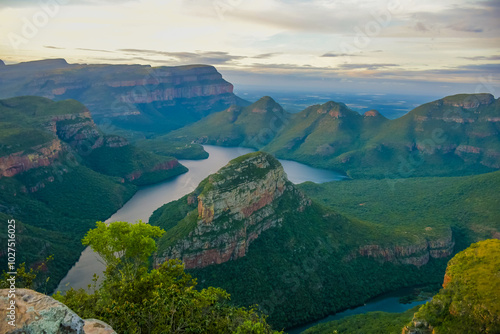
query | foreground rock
[37, 313]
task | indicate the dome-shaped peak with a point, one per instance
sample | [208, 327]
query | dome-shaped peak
[2, 63]
[265, 104]
[372, 113]
[336, 110]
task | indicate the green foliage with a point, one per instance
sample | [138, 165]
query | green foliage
[368, 323]
[468, 303]
[161, 300]
[28, 279]
[421, 206]
[123, 246]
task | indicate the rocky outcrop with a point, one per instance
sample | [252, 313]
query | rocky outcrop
[166, 165]
[468, 101]
[234, 206]
[40, 156]
[416, 254]
[36, 313]
[372, 113]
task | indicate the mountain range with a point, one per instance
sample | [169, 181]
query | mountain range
[456, 135]
[137, 98]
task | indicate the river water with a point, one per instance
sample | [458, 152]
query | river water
[150, 198]
[386, 303]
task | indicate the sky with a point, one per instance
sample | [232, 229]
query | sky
[395, 46]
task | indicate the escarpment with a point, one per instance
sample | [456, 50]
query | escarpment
[141, 97]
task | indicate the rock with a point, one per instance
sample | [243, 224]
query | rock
[417, 254]
[94, 326]
[372, 113]
[37, 313]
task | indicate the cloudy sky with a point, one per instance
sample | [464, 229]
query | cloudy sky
[403, 46]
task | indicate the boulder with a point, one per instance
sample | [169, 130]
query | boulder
[37, 313]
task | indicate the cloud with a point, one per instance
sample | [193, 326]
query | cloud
[482, 58]
[334, 55]
[94, 50]
[37, 3]
[266, 55]
[53, 47]
[465, 27]
[366, 66]
[205, 57]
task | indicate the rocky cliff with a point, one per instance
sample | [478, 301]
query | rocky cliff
[35, 313]
[233, 207]
[417, 254]
[131, 96]
[47, 133]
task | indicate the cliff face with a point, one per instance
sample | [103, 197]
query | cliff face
[42, 155]
[417, 254]
[125, 95]
[234, 207]
[48, 133]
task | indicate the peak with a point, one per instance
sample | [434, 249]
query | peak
[254, 157]
[246, 168]
[372, 113]
[336, 110]
[2, 63]
[468, 101]
[265, 104]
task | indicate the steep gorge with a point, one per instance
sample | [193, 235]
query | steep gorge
[250, 231]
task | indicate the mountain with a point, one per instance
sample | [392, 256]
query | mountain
[250, 231]
[456, 135]
[59, 174]
[125, 97]
[324, 131]
[252, 126]
[468, 302]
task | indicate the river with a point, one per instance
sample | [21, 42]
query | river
[388, 302]
[150, 198]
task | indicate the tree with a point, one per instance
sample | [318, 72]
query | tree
[124, 247]
[134, 299]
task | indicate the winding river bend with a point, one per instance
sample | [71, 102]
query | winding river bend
[150, 198]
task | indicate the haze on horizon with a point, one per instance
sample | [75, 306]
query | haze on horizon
[396, 46]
